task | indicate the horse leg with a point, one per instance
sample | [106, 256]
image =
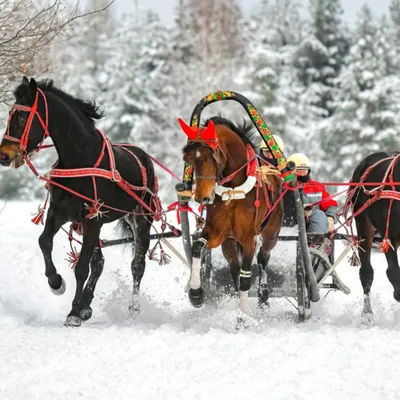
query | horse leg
[270, 236]
[96, 269]
[141, 230]
[366, 233]
[245, 276]
[393, 272]
[196, 292]
[91, 232]
[53, 224]
[230, 252]
[263, 256]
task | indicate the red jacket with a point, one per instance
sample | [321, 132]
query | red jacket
[314, 192]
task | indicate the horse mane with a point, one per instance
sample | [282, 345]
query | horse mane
[245, 130]
[89, 109]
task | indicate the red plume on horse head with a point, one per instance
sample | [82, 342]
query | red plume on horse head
[205, 135]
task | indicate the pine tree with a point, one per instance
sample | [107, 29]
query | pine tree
[367, 108]
[141, 93]
[212, 37]
[271, 80]
[394, 36]
[320, 57]
[83, 53]
[265, 61]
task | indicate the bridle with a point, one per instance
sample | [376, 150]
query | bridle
[33, 111]
[215, 154]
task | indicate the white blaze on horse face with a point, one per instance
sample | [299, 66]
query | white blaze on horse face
[198, 154]
[244, 305]
[195, 281]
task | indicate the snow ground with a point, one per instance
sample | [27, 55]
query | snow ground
[171, 351]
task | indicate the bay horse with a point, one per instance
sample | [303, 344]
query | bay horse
[376, 208]
[237, 201]
[93, 183]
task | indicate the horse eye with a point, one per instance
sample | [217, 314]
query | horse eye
[21, 118]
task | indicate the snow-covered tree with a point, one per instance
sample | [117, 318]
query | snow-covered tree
[394, 36]
[80, 56]
[368, 105]
[320, 56]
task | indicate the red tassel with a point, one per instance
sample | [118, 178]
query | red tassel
[164, 258]
[73, 258]
[94, 210]
[385, 245]
[38, 218]
[354, 261]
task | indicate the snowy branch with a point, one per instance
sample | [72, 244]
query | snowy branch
[27, 28]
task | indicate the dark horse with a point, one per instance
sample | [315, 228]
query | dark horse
[379, 211]
[236, 207]
[93, 183]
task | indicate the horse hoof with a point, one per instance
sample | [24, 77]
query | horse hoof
[241, 323]
[86, 313]
[61, 288]
[196, 297]
[134, 308]
[263, 298]
[396, 295]
[73, 321]
[264, 305]
[367, 317]
[242, 320]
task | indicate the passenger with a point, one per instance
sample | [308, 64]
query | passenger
[321, 217]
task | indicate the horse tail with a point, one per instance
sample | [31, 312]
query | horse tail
[124, 228]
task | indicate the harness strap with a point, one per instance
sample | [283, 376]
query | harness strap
[376, 194]
[23, 142]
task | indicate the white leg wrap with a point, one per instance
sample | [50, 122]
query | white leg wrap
[244, 301]
[245, 274]
[195, 281]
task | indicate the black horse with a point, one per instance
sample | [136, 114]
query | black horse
[378, 210]
[115, 181]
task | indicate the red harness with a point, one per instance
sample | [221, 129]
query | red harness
[94, 172]
[33, 111]
[377, 193]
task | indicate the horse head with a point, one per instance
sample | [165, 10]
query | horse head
[27, 125]
[204, 154]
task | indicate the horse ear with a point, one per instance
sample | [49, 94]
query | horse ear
[25, 81]
[32, 85]
[190, 132]
[209, 133]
